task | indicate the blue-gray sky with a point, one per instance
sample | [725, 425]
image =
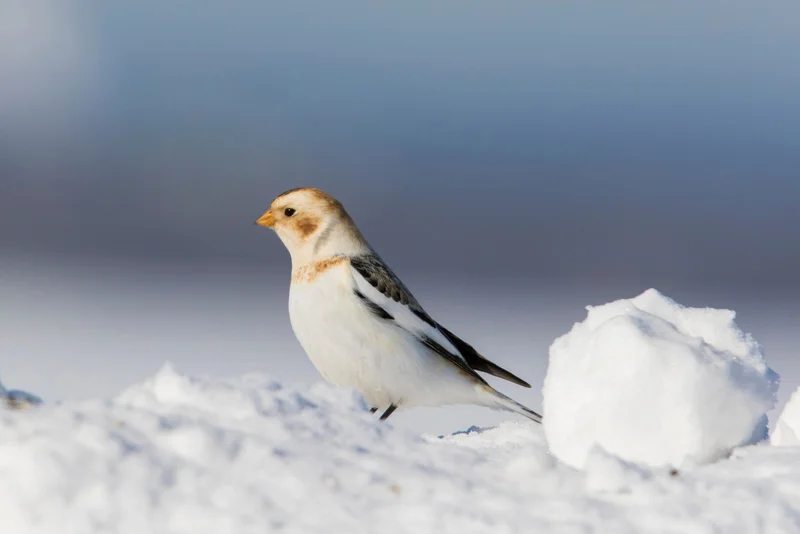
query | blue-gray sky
[654, 142]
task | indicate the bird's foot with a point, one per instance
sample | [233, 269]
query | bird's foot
[388, 412]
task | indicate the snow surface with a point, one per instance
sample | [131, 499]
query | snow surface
[193, 455]
[655, 383]
[787, 429]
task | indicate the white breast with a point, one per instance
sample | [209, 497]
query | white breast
[334, 329]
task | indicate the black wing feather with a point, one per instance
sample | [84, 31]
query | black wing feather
[478, 362]
[376, 309]
[452, 358]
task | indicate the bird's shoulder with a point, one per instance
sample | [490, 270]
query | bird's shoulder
[374, 271]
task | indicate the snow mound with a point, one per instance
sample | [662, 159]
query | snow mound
[184, 455]
[655, 383]
[180, 454]
[787, 429]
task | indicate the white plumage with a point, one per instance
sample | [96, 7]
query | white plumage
[361, 327]
[352, 347]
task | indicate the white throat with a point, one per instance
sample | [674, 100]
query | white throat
[332, 239]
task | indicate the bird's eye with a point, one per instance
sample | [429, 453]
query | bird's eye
[288, 212]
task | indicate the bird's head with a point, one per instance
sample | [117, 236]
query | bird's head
[312, 224]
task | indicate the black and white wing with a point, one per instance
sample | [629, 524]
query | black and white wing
[371, 269]
[478, 362]
[387, 298]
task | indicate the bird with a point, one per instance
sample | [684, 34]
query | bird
[359, 324]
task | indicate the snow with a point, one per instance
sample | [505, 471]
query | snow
[655, 383]
[179, 454]
[787, 429]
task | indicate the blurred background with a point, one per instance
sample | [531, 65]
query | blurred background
[512, 162]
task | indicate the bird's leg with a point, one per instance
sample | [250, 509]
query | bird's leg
[388, 412]
[373, 410]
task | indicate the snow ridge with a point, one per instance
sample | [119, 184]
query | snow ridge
[180, 454]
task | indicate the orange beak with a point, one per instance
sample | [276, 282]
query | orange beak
[266, 220]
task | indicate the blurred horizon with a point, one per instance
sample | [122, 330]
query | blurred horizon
[78, 330]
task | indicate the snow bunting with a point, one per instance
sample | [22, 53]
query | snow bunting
[359, 324]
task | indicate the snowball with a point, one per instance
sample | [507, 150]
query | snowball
[787, 429]
[655, 383]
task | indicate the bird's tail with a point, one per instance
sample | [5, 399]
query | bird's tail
[506, 403]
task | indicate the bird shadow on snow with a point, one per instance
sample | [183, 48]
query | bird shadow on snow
[17, 399]
[471, 430]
